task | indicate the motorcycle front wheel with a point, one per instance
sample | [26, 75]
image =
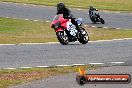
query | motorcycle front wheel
[62, 37]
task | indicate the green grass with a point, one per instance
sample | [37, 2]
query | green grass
[16, 31]
[120, 5]
[20, 31]
[18, 76]
[108, 34]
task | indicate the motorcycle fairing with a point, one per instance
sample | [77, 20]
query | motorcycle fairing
[71, 28]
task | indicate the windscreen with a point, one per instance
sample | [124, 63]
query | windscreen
[57, 17]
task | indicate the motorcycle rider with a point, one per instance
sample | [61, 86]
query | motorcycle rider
[91, 9]
[61, 9]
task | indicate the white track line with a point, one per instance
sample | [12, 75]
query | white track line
[93, 26]
[101, 41]
[95, 63]
[42, 66]
[26, 67]
[26, 19]
[24, 4]
[47, 21]
[117, 62]
[105, 27]
[35, 20]
[9, 68]
[31, 43]
[118, 28]
[52, 43]
[117, 39]
[112, 40]
[59, 43]
[38, 43]
[7, 44]
[78, 9]
[78, 64]
[62, 65]
[127, 38]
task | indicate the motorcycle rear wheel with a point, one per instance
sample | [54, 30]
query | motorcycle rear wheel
[102, 21]
[62, 37]
[83, 36]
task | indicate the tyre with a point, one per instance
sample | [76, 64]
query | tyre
[83, 36]
[102, 21]
[80, 80]
[62, 37]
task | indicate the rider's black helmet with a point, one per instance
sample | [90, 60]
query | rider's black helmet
[91, 7]
[60, 6]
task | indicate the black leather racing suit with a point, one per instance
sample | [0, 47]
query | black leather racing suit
[91, 11]
[67, 15]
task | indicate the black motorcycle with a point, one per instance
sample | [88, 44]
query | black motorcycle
[95, 17]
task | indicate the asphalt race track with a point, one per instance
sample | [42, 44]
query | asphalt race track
[32, 55]
[14, 56]
[33, 12]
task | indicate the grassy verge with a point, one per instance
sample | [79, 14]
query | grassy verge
[122, 5]
[108, 34]
[18, 31]
[18, 76]
[21, 31]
